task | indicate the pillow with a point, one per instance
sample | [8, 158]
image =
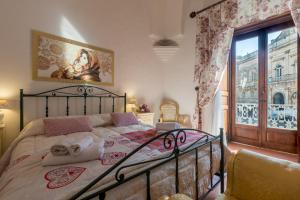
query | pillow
[100, 119]
[63, 126]
[123, 119]
[35, 127]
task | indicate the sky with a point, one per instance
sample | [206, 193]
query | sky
[251, 44]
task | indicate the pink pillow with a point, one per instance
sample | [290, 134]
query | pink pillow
[65, 126]
[123, 119]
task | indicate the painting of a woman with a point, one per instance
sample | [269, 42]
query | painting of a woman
[71, 61]
[85, 67]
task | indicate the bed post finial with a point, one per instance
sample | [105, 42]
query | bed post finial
[21, 110]
[222, 164]
[125, 99]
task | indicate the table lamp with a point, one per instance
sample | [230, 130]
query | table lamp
[131, 105]
[3, 105]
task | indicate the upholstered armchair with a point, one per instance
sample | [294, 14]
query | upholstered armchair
[254, 176]
[169, 112]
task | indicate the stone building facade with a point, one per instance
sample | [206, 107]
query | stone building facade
[282, 71]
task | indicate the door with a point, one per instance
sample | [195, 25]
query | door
[264, 80]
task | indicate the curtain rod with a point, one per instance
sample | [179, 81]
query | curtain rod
[194, 14]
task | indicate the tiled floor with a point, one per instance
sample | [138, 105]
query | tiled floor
[236, 146]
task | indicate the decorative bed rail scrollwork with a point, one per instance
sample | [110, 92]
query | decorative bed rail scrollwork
[68, 92]
[168, 139]
[172, 141]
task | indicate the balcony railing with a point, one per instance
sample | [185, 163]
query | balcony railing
[282, 116]
[246, 113]
[286, 77]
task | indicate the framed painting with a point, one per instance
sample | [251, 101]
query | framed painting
[59, 59]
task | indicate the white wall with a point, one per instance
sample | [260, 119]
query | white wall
[122, 27]
[179, 72]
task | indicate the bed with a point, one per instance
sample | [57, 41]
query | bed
[138, 162]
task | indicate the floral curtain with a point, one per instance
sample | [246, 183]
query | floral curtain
[213, 40]
[215, 28]
[295, 11]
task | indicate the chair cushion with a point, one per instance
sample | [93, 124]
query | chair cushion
[255, 176]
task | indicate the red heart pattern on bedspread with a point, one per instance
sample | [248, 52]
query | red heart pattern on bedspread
[142, 137]
[63, 176]
[112, 158]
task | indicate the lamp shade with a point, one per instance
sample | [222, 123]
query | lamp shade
[131, 105]
[3, 103]
[132, 100]
[131, 108]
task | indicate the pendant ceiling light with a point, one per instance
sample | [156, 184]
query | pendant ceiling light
[165, 49]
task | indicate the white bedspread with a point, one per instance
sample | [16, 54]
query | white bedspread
[25, 178]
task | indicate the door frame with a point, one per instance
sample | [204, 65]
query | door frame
[267, 25]
[247, 129]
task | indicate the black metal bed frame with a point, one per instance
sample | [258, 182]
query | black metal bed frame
[173, 143]
[79, 91]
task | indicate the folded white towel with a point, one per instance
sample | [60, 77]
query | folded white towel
[60, 149]
[71, 146]
[77, 147]
[167, 126]
[93, 152]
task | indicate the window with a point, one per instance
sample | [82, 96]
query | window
[266, 60]
[263, 102]
[278, 72]
[278, 98]
[253, 76]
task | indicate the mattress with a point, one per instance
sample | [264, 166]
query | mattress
[24, 177]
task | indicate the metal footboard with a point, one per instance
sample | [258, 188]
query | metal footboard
[172, 141]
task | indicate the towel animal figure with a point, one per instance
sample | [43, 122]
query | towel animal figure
[71, 147]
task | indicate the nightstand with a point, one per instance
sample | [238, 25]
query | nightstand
[2, 130]
[146, 118]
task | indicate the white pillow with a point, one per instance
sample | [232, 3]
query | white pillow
[35, 127]
[100, 119]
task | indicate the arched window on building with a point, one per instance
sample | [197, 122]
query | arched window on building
[278, 72]
[278, 98]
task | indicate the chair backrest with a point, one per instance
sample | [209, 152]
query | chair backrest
[169, 111]
[255, 176]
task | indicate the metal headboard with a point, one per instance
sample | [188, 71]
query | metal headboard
[68, 92]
